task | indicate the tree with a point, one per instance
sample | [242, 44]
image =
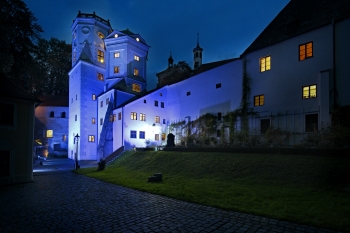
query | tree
[173, 74]
[19, 36]
[54, 62]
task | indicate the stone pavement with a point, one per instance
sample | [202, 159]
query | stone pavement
[61, 201]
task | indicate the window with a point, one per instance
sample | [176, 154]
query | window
[100, 56]
[219, 116]
[136, 87]
[119, 115]
[160, 94]
[136, 72]
[144, 101]
[156, 103]
[163, 136]
[133, 116]
[264, 125]
[156, 137]
[218, 85]
[116, 69]
[107, 101]
[132, 133]
[136, 58]
[188, 93]
[162, 104]
[305, 51]
[49, 133]
[157, 119]
[142, 134]
[93, 121]
[91, 138]
[63, 114]
[164, 121]
[309, 91]
[52, 114]
[265, 63]
[76, 97]
[114, 117]
[7, 114]
[101, 104]
[142, 117]
[311, 122]
[93, 97]
[100, 35]
[64, 137]
[116, 55]
[100, 77]
[259, 100]
[101, 121]
[76, 117]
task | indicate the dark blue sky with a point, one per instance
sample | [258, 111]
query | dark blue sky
[226, 27]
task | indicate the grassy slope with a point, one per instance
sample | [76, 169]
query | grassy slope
[302, 189]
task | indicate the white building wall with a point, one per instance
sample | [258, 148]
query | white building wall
[282, 85]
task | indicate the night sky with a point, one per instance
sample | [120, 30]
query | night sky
[226, 27]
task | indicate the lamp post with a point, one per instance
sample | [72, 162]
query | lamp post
[76, 139]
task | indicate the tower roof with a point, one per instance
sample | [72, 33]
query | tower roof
[85, 15]
[198, 48]
[170, 59]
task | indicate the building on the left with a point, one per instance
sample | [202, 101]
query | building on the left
[16, 133]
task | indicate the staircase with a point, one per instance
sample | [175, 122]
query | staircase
[115, 154]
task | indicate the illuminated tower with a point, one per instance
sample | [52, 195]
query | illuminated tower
[197, 53]
[86, 82]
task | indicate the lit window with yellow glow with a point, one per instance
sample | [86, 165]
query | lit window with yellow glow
[93, 97]
[136, 87]
[93, 121]
[116, 55]
[309, 91]
[114, 117]
[64, 137]
[142, 117]
[100, 56]
[157, 119]
[49, 133]
[265, 64]
[133, 116]
[136, 58]
[163, 136]
[100, 35]
[91, 138]
[116, 69]
[305, 51]
[259, 100]
[100, 77]
[136, 72]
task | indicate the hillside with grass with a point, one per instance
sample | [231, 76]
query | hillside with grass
[298, 188]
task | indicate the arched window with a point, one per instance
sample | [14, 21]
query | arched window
[63, 115]
[52, 114]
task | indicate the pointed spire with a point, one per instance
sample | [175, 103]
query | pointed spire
[170, 61]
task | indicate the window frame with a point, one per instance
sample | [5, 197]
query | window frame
[133, 116]
[116, 55]
[306, 51]
[100, 56]
[136, 87]
[142, 117]
[136, 58]
[265, 67]
[133, 134]
[116, 69]
[100, 77]
[142, 134]
[91, 138]
[49, 133]
[309, 92]
[136, 72]
[157, 119]
[259, 99]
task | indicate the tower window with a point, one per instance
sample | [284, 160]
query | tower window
[116, 55]
[162, 104]
[93, 97]
[265, 63]
[100, 35]
[100, 76]
[188, 93]
[49, 133]
[136, 58]
[218, 85]
[136, 72]
[91, 138]
[52, 114]
[136, 87]
[156, 103]
[93, 121]
[100, 56]
[116, 69]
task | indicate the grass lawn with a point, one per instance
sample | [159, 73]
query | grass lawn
[298, 188]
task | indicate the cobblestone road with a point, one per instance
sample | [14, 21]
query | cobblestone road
[62, 201]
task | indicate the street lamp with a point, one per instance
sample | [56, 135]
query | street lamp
[76, 139]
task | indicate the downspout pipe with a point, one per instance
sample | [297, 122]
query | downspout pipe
[335, 92]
